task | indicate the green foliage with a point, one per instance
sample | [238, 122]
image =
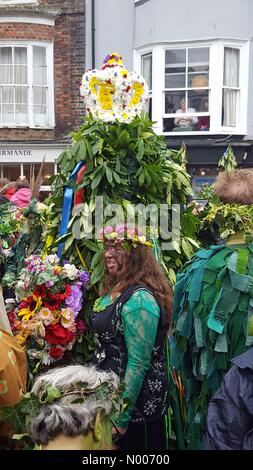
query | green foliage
[231, 218]
[127, 164]
[228, 161]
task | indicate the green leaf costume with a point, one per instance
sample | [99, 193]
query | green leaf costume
[213, 302]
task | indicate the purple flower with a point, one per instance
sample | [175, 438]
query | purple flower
[84, 277]
[75, 299]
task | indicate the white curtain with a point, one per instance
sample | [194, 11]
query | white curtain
[13, 82]
[39, 85]
[21, 90]
[231, 81]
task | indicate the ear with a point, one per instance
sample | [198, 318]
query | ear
[98, 430]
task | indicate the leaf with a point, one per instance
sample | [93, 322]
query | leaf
[193, 242]
[186, 248]
[90, 245]
[141, 178]
[68, 243]
[97, 179]
[116, 177]
[96, 259]
[18, 437]
[140, 152]
[108, 173]
[52, 394]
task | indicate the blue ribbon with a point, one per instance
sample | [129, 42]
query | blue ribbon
[67, 205]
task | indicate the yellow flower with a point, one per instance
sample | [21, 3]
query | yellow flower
[26, 313]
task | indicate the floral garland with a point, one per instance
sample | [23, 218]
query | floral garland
[49, 297]
[113, 92]
[128, 235]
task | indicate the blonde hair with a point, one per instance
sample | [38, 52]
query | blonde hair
[235, 186]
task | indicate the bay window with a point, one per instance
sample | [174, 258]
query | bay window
[198, 88]
[26, 85]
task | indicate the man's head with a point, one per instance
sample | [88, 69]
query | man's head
[81, 413]
[235, 186]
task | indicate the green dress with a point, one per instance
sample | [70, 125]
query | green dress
[213, 301]
[140, 317]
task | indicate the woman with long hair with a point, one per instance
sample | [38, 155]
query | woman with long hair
[131, 322]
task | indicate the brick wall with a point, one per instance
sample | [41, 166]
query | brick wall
[68, 36]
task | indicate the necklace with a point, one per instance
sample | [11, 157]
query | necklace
[97, 307]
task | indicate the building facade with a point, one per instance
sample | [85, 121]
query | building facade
[42, 59]
[197, 59]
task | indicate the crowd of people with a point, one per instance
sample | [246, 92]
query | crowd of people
[133, 326]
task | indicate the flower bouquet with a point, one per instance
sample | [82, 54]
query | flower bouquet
[49, 298]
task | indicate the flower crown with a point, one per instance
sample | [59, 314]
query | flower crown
[114, 92]
[130, 235]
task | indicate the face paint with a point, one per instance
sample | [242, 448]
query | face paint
[115, 259]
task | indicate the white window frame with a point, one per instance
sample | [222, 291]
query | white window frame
[50, 121]
[216, 67]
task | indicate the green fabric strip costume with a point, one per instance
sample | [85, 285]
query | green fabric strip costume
[213, 301]
[140, 316]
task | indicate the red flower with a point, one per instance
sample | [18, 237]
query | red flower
[40, 291]
[56, 352]
[59, 296]
[56, 334]
[81, 326]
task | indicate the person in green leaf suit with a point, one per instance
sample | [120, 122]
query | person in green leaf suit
[131, 322]
[213, 308]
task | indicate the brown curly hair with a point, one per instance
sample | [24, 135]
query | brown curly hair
[235, 186]
[141, 267]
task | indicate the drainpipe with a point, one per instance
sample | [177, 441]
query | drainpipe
[93, 44]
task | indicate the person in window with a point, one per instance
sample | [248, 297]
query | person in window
[131, 321]
[185, 123]
[229, 424]
[203, 123]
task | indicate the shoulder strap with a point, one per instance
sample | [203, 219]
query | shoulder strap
[125, 296]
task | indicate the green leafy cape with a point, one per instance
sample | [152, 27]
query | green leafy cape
[212, 303]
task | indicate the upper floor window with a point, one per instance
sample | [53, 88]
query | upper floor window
[186, 92]
[199, 89]
[26, 85]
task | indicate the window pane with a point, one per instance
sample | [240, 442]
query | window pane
[21, 108]
[6, 68]
[20, 65]
[231, 67]
[175, 68]
[39, 66]
[8, 94]
[146, 68]
[21, 95]
[229, 105]
[176, 80]
[198, 67]
[12, 171]
[40, 96]
[172, 101]
[198, 101]
[198, 56]
[8, 113]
